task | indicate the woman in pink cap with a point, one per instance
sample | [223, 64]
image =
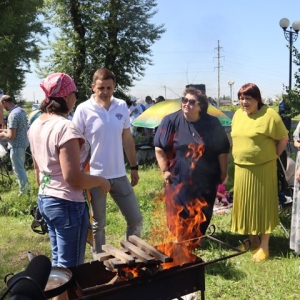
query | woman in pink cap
[60, 155]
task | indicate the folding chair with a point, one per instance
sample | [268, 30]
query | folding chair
[285, 194]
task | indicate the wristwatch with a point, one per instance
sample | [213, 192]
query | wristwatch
[134, 168]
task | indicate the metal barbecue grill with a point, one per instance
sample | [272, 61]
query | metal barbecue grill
[140, 271]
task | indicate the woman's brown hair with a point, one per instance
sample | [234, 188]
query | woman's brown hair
[56, 105]
[252, 90]
[201, 98]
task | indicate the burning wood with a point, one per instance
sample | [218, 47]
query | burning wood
[149, 249]
[119, 254]
[136, 258]
[144, 280]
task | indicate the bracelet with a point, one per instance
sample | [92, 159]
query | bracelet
[134, 168]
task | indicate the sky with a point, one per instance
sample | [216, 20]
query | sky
[252, 47]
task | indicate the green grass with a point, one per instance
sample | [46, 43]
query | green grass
[235, 278]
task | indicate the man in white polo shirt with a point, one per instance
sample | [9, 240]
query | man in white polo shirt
[104, 121]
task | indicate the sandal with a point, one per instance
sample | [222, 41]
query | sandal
[260, 255]
[254, 246]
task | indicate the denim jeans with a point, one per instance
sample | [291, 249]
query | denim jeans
[68, 223]
[122, 193]
[17, 157]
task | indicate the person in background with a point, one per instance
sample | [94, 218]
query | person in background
[192, 149]
[222, 193]
[149, 102]
[134, 111]
[104, 121]
[60, 154]
[148, 131]
[284, 110]
[16, 135]
[258, 138]
[295, 220]
[159, 99]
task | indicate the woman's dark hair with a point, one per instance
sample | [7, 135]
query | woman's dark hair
[56, 105]
[201, 99]
[252, 90]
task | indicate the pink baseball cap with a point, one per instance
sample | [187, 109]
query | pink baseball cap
[58, 85]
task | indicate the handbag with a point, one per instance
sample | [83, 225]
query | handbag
[38, 224]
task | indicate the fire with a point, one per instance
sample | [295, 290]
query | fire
[184, 221]
[194, 152]
[129, 273]
[185, 230]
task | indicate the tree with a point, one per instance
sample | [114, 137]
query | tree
[18, 41]
[292, 97]
[115, 34]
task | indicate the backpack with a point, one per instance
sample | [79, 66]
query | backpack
[38, 224]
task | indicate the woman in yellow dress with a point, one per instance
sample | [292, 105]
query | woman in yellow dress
[258, 138]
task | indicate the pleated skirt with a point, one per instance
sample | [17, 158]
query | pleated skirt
[255, 199]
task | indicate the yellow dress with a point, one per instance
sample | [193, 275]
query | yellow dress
[255, 198]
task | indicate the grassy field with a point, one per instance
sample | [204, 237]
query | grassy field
[235, 278]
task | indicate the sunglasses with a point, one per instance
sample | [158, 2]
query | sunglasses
[191, 102]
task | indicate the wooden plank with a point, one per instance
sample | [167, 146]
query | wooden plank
[119, 254]
[104, 255]
[149, 249]
[108, 264]
[134, 250]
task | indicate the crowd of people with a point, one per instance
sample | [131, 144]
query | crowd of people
[135, 109]
[191, 149]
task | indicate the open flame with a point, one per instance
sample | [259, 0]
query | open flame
[194, 152]
[127, 273]
[184, 222]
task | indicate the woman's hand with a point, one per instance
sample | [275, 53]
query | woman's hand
[167, 176]
[224, 178]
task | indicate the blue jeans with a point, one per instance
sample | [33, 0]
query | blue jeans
[68, 223]
[17, 157]
[122, 193]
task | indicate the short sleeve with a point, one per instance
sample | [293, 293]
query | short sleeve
[164, 133]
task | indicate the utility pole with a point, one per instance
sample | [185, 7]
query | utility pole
[165, 91]
[219, 67]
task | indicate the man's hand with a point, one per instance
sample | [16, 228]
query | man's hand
[134, 177]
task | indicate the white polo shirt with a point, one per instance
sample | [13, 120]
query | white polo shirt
[103, 130]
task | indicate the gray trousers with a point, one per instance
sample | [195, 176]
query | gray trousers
[122, 193]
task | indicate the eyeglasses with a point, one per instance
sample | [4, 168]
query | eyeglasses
[191, 102]
[76, 94]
